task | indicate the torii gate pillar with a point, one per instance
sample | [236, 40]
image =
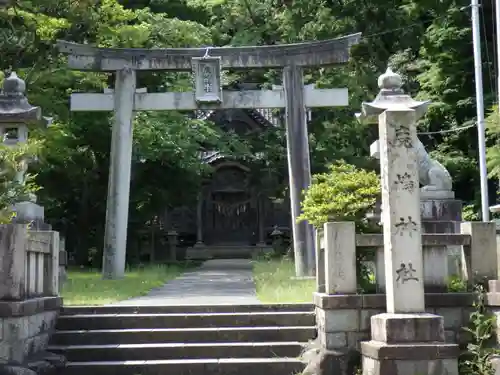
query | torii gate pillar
[299, 168]
[115, 233]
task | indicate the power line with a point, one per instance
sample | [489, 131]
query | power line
[460, 128]
[411, 25]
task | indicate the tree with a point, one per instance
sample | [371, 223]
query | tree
[493, 137]
[74, 162]
[427, 42]
[345, 193]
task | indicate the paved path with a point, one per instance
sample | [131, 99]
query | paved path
[216, 282]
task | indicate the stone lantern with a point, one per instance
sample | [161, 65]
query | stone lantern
[16, 113]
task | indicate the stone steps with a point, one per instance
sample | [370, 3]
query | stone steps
[224, 366]
[194, 340]
[225, 251]
[183, 335]
[160, 351]
[203, 320]
[177, 309]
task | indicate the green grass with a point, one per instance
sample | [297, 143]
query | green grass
[86, 287]
[275, 284]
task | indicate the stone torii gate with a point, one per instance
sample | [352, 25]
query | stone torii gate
[206, 64]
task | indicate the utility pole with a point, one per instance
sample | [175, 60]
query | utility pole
[476, 43]
[497, 29]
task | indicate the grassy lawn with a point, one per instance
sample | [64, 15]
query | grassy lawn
[275, 284]
[86, 287]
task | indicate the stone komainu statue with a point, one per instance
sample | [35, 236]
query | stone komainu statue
[432, 174]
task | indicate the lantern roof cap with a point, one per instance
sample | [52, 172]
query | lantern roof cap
[13, 85]
[14, 106]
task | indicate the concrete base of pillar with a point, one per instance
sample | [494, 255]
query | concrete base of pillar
[30, 213]
[441, 215]
[408, 344]
[440, 209]
[199, 244]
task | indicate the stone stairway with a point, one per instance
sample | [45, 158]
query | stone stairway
[225, 252]
[181, 340]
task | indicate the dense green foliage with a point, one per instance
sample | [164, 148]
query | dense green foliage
[345, 193]
[428, 42]
[12, 160]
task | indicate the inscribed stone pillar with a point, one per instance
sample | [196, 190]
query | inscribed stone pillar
[115, 236]
[440, 213]
[299, 171]
[405, 324]
[401, 212]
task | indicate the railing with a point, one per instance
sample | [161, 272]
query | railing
[42, 264]
[29, 263]
[470, 255]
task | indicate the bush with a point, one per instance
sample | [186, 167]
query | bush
[345, 193]
[14, 159]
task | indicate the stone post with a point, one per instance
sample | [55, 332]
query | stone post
[299, 169]
[53, 275]
[278, 243]
[481, 257]
[12, 261]
[405, 340]
[63, 261]
[261, 242]
[115, 234]
[199, 221]
[340, 258]
[320, 261]
[337, 319]
[172, 236]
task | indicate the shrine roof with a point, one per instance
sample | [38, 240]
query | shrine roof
[262, 116]
[212, 156]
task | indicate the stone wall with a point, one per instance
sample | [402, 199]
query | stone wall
[29, 301]
[344, 320]
[25, 327]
